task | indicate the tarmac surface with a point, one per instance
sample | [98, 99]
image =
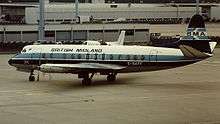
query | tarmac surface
[186, 95]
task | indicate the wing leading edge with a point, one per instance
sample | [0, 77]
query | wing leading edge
[72, 68]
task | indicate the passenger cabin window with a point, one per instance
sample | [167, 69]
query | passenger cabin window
[73, 56]
[128, 57]
[43, 55]
[25, 55]
[119, 57]
[110, 57]
[87, 56]
[64, 56]
[95, 56]
[35, 55]
[68, 56]
[142, 57]
[56, 55]
[47, 55]
[79, 56]
[103, 56]
[135, 57]
[51, 55]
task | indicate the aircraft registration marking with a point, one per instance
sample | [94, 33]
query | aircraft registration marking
[135, 63]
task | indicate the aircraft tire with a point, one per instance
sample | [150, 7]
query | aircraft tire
[86, 82]
[31, 78]
[111, 77]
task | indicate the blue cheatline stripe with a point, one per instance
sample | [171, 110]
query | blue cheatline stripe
[197, 29]
[195, 38]
[113, 57]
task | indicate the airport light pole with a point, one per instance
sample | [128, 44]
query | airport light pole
[197, 6]
[41, 25]
[77, 8]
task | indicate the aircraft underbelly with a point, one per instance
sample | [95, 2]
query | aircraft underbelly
[146, 66]
[154, 67]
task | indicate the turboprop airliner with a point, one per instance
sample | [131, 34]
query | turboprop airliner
[86, 60]
[120, 41]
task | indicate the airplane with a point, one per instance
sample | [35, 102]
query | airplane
[120, 41]
[86, 60]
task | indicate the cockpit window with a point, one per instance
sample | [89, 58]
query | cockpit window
[24, 50]
[84, 43]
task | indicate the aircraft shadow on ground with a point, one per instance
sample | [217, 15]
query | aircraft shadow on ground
[76, 83]
[68, 84]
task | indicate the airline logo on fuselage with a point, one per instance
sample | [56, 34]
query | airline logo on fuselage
[196, 32]
[89, 50]
[76, 50]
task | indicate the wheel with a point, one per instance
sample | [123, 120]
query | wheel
[86, 81]
[31, 78]
[111, 77]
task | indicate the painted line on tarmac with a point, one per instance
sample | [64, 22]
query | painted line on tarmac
[179, 96]
[24, 91]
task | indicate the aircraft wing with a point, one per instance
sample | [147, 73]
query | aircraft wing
[70, 68]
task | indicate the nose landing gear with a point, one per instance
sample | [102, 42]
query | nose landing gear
[31, 77]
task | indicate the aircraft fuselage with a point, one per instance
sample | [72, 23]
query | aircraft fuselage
[134, 58]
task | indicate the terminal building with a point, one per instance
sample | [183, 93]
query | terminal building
[75, 32]
[97, 20]
[117, 1]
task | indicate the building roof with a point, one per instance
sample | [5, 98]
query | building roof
[194, 4]
[78, 27]
[18, 5]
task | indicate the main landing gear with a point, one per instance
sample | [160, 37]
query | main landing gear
[87, 78]
[111, 77]
[31, 77]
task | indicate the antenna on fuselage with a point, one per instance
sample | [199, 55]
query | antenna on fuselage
[77, 8]
[41, 23]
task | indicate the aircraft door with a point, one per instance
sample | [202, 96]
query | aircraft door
[153, 56]
[41, 57]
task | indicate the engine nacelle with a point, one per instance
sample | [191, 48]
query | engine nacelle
[90, 42]
[52, 69]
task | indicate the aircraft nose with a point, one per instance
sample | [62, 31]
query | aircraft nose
[10, 61]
